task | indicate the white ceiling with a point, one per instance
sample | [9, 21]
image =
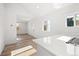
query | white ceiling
[39, 9]
[32, 10]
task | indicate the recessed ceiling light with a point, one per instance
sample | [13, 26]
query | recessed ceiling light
[37, 6]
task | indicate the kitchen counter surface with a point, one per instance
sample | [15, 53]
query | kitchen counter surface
[53, 45]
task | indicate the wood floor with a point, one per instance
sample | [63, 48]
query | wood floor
[25, 40]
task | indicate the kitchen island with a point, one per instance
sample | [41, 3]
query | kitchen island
[53, 45]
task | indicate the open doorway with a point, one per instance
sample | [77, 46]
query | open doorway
[22, 28]
[22, 31]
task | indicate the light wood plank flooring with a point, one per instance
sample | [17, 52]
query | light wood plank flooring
[25, 40]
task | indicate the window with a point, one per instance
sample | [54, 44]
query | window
[46, 26]
[77, 19]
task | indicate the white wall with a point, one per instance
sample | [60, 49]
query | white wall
[57, 19]
[10, 25]
[35, 28]
[13, 11]
[2, 44]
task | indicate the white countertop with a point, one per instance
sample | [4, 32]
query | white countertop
[53, 45]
